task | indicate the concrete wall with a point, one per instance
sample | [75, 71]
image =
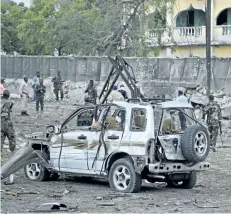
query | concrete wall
[152, 72]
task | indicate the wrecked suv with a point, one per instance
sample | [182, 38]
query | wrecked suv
[123, 141]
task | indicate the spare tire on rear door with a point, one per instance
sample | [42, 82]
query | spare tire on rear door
[195, 143]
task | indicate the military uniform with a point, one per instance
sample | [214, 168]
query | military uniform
[92, 94]
[213, 112]
[58, 86]
[40, 92]
[7, 129]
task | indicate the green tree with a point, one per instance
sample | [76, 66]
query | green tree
[11, 16]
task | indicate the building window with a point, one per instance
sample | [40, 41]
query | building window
[191, 18]
[224, 18]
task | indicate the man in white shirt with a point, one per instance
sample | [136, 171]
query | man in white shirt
[35, 82]
[115, 95]
[181, 97]
[24, 92]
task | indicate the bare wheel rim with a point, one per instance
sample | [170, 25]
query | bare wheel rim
[121, 177]
[33, 170]
[200, 143]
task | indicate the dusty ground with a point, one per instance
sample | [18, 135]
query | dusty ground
[211, 194]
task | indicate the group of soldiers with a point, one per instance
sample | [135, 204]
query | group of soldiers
[211, 114]
[211, 111]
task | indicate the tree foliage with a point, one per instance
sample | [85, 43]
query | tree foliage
[80, 27]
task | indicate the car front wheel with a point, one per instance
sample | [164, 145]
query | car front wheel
[37, 172]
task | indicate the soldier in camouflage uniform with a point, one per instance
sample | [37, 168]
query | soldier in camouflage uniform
[40, 92]
[57, 80]
[7, 129]
[213, 112]
[92, 93]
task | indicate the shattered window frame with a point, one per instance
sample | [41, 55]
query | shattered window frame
[132, 120]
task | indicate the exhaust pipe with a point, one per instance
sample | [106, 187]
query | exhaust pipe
[20, 159]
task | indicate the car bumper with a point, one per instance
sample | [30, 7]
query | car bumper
[177, 167]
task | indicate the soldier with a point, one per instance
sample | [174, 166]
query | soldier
[57, 80]
[24, 93]
[92, 93]
[40, 92]
[213, 112]
[7, 129]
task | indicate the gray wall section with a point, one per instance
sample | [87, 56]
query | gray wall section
[77, 69]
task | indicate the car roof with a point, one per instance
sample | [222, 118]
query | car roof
[130, 104]
[175, 104]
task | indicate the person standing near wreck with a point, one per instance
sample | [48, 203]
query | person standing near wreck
[24, 93]
[58, 84]
[181, 97]
[35, 82]
[92, 93]
[7, 129]
[213, 112]
[40, 93]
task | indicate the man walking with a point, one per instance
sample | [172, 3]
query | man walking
[24, 92]
[7, 129]
[181, 97]
[57, 80]
[115, 95]
[35, 82]
[40, 92]
[213, 112]
[92, 93]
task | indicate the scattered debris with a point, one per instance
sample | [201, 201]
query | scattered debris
[27, 193]
[58, 195]
[99, 198]
[108, 204]
[205, 206]
[54, 206]
[12, 193]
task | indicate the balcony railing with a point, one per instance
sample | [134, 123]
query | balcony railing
[190, 31]
[226, 30]
[188, 35]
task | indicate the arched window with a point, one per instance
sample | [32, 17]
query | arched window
[224, 18]
[191, 17]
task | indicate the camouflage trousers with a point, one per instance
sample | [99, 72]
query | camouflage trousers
[39, 101]
[7, 130]
[214, 131]
[56, 91]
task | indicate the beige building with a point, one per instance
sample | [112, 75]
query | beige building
[185, 32]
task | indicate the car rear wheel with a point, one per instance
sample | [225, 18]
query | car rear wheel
[123, 178]
[188, 183]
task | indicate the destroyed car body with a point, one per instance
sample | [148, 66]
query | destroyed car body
[123, 141]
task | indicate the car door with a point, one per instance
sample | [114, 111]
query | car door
[75, 137]
[111, 137]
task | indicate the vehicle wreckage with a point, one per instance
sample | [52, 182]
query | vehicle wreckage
[124, 141]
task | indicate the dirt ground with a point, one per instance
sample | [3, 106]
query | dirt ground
[211, 193]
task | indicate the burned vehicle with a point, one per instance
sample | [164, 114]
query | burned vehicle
[122, 141]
